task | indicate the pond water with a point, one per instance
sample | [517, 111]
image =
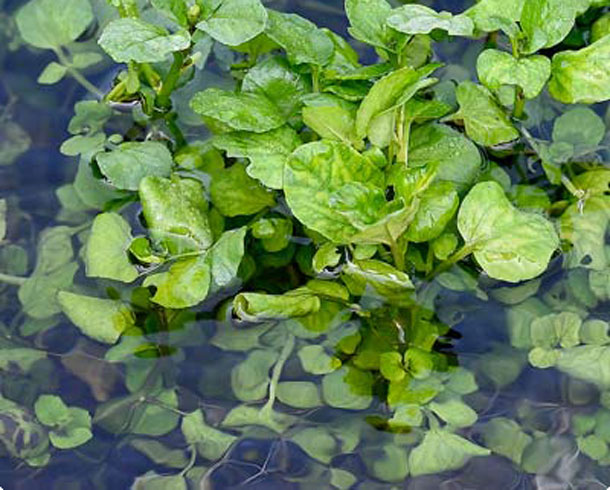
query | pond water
[325, 430]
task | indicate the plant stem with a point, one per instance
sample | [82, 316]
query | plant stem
[277, 371]
[12, 280]
[169, 84]
[519, 109]
[463, 252]
[74, 73]
[315, 78]
[397, 254]
[170, 120]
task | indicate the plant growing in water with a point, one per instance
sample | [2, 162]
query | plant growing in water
[315, 205]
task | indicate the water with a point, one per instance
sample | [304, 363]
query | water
[347, 448]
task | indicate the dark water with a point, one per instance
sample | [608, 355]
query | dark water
[543, 400]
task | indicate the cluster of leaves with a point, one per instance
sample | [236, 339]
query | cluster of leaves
[324, 209]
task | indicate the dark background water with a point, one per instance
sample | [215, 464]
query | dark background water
[44, 112]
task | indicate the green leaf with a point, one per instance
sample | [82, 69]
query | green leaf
[49, 24]
[267, 152]
[176, 10]
[275, 79]
[397, 87]
[368, 21]
[333, 123]
[226, 256]
[348, 388]
[185, 284]
[509, 244]
[106, 250]
[299, 394]
[437, 207]
[176, 213]
[233, 22]
[455, 157]
[52, 73]
[300, 38]
[83, 145]
[441, 451]
[315, 360]
[455, 412]
[327, 255]
[547, 22]
[419, 19]
[586, 230]
[390, 366]
[103, 320]
[131, 39]
[485, 121]
[211, 443]
[256, 307]
[376, 279]
[504, 436]
[492, 15]
[321, 169]
[235, 193]
[245, 111]
[582, 76]
[497, 68]
[130, 162]
[89, 117]
[596, 332]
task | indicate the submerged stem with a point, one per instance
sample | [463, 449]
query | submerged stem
[277, 372]
[74, 73]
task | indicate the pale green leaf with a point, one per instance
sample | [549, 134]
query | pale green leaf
[497, 68]
[103, 320]
[50, 24]
[129, 39]
[509, 244]
[234, 22]
[419, 19]
[106, 250]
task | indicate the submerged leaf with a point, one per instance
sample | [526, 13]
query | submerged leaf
[442, 451]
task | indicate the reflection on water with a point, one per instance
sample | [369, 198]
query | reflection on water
[185, 394]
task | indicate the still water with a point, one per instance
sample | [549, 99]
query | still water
[517, 405]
